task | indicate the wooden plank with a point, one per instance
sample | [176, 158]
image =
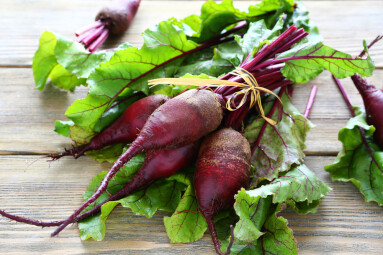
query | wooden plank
[344, 223]
[27, 117]
[343, 24]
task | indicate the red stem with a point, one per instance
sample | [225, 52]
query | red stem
[269, 115]
[92, 36]
[377, 39]
[82, 31]
[344, 94]
[310, 102]
[362, 132]
[100, 40]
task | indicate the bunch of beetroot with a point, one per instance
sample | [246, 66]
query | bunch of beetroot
[172, 132]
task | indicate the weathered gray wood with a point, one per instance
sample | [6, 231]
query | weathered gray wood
[28, 115]
[343, 224]
[343, 24]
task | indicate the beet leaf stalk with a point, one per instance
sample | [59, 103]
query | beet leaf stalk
[113, 19]
[349, 105]
[310, 102]
[269, 76]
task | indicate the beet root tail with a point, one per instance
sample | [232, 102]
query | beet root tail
[213, 232]
[120, 194]
[133, 150]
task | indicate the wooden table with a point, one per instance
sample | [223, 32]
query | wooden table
[32, 187]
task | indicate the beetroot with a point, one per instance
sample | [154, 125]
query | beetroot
[373, 103]
[124, 130]
[223, 168]
[180, 121]
[114, 19]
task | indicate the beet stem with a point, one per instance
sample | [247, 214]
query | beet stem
[349, 105]
[377, 39]
[276, 103]
[100, 40]
[95, 34]
[231, 242]
[310, 102]
[344, 94]
[133, 150]
[83, 30]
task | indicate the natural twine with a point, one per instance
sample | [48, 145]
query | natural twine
[250, 88]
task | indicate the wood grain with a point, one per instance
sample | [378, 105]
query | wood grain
[343, 224]
[32, 187]
[27, 117]
[343, 25]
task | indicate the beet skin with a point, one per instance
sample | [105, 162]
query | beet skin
[373, 103]
[180, 121]
[118, 14]
[222, 169]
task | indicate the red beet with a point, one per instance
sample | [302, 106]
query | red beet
[124, 130]
[160, 164]
[373, 103]
[157, 164]
[223, 168]
[114, 19]
[180, 121]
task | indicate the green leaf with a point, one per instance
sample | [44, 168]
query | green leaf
[306, 60]
[300, 18]
[80, 136]
[252, 212]
[78, 60]
[298, 185]
[164, 194]
[128, 67]
[226, 58]
[44, 59]
[94, 227]
[299, 188]
[87, 111]
[161, 195]
[186, 224]
[67, 63]
[360, 163]
[217, 16]
[63, 127]
[108, 153]
[196, 63]
[64, 79]
[280, 146]
[113, 113]
[256, 36]
[304, 207]
[277, 239]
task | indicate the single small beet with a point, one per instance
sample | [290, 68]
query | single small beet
[180, 121]
[222, 169]
[113, 19]
[373, 103]
[124, 130]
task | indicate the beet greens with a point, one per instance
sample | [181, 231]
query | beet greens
[263, 42]
[362, 164]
